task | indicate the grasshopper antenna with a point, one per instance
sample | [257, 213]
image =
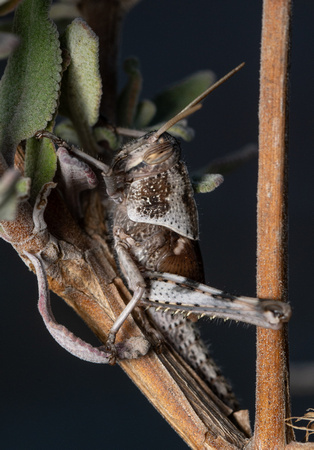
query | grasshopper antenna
[195, 104]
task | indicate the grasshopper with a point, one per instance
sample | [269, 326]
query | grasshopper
[155, 232]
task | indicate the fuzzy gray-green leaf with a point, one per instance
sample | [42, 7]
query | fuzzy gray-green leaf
[81, 83]
[206, 183]
[30, 85]
[176, 97]
[66, 131]
[40, 164]
[81, 87]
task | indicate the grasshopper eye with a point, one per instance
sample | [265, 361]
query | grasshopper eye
[158, 155]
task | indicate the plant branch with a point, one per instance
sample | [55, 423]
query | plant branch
[81, 268]
[272, 396]
[84, 276]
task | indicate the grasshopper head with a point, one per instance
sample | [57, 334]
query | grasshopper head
[146, 156]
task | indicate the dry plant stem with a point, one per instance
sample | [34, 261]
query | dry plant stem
[272, 396]
[81, 270]
[83, 274]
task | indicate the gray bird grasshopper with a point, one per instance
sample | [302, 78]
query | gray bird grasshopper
[155, 232]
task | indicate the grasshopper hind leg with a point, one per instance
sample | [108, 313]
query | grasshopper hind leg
[110, 345]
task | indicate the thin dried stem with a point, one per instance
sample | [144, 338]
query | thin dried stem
[272, 396]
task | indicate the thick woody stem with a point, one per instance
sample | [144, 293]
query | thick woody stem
[272, 396]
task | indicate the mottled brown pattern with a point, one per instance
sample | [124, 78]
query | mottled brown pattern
[156, 229]
[151, 194]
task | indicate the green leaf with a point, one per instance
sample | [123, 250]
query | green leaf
[81, 86]
[206, 183]
[176, 97]
[67, 132]
[29, 88]
[40, 164]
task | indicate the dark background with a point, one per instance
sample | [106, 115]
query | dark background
[49, 399]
